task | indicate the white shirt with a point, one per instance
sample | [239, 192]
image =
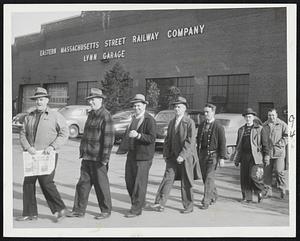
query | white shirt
[178, 119]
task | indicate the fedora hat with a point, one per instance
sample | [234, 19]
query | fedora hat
[39, 92]
[180, 100]
[139, 98]
[95, 93]
[249, 111]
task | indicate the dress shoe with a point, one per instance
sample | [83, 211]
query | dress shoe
[185, 211]
[282, 195]
[75, 214]
[157, 208]
[27, 218]
[204, 206]
[246, 201]
[213, 201]
[132, 215]
[102, 216]
[261, 196]
[60, 215]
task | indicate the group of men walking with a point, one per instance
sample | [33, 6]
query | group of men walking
[188, 155]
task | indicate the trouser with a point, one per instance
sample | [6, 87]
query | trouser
[49, 190]
[136, 178]
[276, 165]
[92, 173]
[172, 170]
[208, 166]
[249, 182]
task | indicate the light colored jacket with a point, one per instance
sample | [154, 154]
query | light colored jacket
[278, 138]
[259, 144]
[52, 130]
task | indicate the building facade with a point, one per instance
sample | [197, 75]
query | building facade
[234, 58]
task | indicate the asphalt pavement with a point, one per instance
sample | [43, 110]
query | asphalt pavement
[227, 212]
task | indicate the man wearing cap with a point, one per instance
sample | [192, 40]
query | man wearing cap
[140, 140]
[43, 129]
[252, 152]
[95, 149]
[277, 132]
[181, 159]
[211, 145]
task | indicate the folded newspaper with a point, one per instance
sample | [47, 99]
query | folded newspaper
[38, 164]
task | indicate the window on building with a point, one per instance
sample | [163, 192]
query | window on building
[229, 92]
[83, 90]
[184, 84]
[27, 92]
[59, 94]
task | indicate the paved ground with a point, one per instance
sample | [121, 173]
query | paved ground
[227, 212]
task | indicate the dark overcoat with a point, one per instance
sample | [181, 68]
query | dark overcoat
[186, 133]
[145, 146]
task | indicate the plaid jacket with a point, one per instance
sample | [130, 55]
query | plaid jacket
[98, 136]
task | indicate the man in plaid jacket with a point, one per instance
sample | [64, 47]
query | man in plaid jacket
[95, 148]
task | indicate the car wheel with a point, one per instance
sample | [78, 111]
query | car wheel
[230, 152]
[73, 131]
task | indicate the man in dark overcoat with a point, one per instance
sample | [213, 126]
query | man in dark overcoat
[181, 158]
[211, 143]
[140, 141]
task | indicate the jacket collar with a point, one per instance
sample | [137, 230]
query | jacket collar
[35, 110]
[98, 112]
[255, 125]
[277, 122]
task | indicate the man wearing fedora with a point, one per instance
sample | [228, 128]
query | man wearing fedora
[252, 151]
[211, 143]
[95, 149]
[140, 141]
[181, 158]
[43, 129]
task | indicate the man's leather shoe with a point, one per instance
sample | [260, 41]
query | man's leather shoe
[185, 211]
[60, 215]
[205, 206]
[27, 218]
[261, 196]
[102, 216]
[132, 215]
[157, 208]
[246, 201]
[282, 195]
[75, 214]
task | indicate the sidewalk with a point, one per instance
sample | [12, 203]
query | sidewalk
[227, 212]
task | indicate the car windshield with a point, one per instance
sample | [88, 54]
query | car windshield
[66, 111]
[224, 122]
[165, 116]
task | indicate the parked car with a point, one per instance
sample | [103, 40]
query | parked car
[76, 116]
[232, 122]
[18, 119]
[122, 119]
[165, 116]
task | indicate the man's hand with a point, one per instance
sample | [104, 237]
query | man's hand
[31, 150]
[49, 149]
[267, 160]
[180, 160]
[133, 134]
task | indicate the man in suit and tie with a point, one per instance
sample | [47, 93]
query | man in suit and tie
[181, 158]
[140, 141]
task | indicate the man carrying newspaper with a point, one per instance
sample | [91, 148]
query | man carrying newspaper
[43, 129]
